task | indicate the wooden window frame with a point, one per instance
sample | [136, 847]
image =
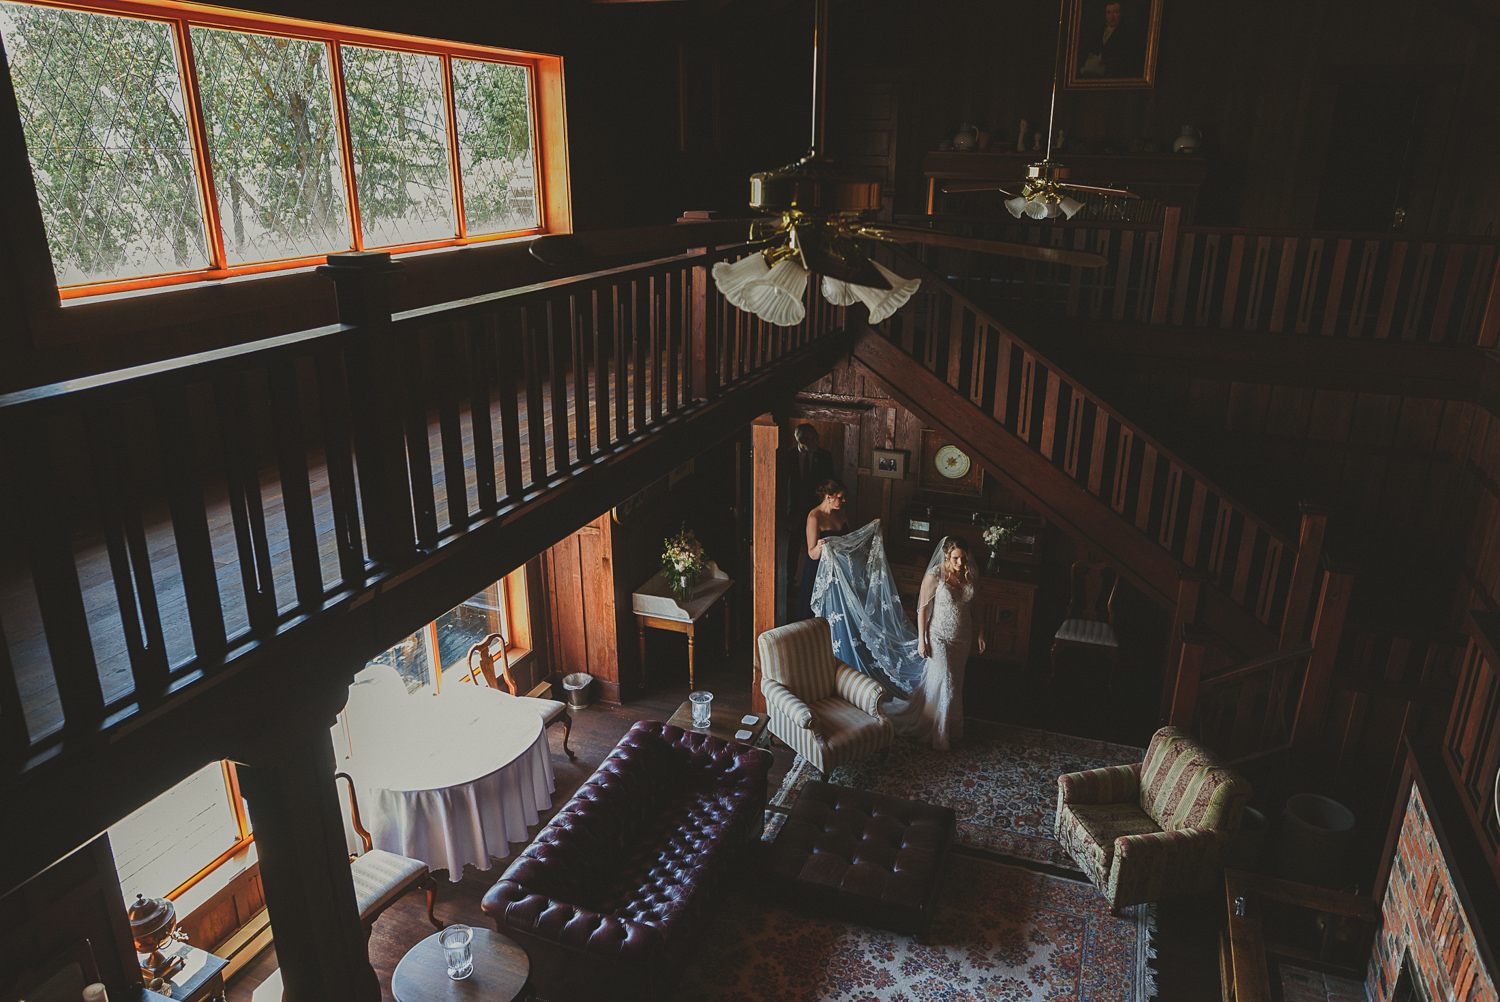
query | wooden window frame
[548, 130]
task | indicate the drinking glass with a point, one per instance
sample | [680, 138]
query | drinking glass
[702, 708]
[455, 942]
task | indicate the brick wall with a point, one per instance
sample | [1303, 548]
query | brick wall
[1422, 913]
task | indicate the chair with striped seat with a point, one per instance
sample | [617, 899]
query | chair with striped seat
[381, 877]
[1153, 829]
[823, 709]
[1090, 622]
[551, 711]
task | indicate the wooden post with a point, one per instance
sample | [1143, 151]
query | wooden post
[1304, 573]
[304, 869]
[363, 283]
[1193, 642]
[764, 435]
[1328, 628]
[704, 327]
[1189, 593]
[1166, 261]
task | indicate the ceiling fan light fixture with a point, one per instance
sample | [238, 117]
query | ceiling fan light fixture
[883, 302]
[1069, 206]
[1016, 206]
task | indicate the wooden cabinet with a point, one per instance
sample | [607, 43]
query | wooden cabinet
[1002, 609]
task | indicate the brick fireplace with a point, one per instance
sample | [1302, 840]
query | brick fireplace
[1425, 922]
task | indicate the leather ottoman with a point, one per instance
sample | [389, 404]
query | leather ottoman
[863, 857]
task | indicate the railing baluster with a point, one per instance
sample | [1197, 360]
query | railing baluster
[1207, 280]
[1148, 485]
[1283, 292]
[508, 328]
[450, 425]
[638, 354]
[1265, 601]
[1364, 281]
[1259, 268]
[418, 446]
[1307, 302]
[1096, 452]
[481, 367]
[1231, 303]
[1049, 415]
[1416, 303]
[1124, 453]
[1074, 440]
[1002, 377]
[246, 509]
[296, 491]
[1184, 278]
[534, 337]
[1336, 288]
[559, 345]
[1171, 503]
[578, 323]
[1242, 562]
[600, 336]
[1392, 290]
[1122, 276]
[1453, 260]
[1482, 309]
[620, 329]
[1025, 400]
[184, 481]
[338, 457]
[1194, 537]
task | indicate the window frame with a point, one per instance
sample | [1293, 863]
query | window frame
[545, 108]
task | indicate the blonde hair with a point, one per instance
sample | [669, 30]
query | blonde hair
[959, 543]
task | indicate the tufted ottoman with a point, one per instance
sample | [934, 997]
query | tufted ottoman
[864, 857]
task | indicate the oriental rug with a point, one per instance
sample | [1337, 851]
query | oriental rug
[1000, 932]
[1000, 779]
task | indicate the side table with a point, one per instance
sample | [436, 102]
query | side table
[654, 605]
[502, 972]
[202, 979]
[724, 723]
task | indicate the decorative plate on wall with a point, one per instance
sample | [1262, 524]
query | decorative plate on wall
[947, 467]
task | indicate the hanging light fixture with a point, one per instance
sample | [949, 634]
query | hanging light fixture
[817, 208]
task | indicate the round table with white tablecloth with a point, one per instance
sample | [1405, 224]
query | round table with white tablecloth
[453, 778]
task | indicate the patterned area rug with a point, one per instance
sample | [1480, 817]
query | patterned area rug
[1000, 932]
[1002, 781]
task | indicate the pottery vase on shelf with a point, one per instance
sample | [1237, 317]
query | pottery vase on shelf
[1187, 142]
[966, 138]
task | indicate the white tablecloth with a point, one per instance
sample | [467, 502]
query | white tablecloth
[450, 779]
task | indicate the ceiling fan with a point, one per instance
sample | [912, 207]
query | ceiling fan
[817, 219]
[1044, 190]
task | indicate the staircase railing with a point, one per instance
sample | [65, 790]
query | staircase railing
[1176, 516]
[157, 522]
[1368, 286]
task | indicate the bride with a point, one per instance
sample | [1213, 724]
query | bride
[922, 669]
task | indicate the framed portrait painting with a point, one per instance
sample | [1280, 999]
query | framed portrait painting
[1112, 43]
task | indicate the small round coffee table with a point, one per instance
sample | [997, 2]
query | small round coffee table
[502, 972]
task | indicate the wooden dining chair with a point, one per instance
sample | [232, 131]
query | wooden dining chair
[381, 877]
[552, 711]
[1090, 621]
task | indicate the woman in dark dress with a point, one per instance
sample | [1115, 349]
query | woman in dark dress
[827, 519]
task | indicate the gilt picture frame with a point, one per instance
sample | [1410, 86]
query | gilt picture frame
[1112, 44]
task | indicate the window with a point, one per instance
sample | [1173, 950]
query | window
[168, 845]
[445, 642]
[173, 143]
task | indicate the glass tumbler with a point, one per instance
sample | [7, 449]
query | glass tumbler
[703, 713]
[455, 941]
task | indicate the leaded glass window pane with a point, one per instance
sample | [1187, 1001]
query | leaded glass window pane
[107, 135]
[492, 106]
[399, 128]
[273, 142]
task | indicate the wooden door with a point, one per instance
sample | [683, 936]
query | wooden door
[578, 574]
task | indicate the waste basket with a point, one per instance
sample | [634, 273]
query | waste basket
[577, 685]
[1315, 834]
[1244, 851]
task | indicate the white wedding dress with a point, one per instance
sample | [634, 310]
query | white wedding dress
[935, 710]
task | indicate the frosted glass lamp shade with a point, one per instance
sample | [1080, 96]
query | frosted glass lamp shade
[732, 277]
[1016, 206]
[881, 302]
[777, 297]
[839, 293]
[1069, 206]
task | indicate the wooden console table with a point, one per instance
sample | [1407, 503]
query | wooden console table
[654, 605]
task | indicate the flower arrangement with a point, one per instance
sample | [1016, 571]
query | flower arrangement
[997, 533]
[683, 562]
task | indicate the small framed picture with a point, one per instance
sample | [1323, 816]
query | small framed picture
[888, 463]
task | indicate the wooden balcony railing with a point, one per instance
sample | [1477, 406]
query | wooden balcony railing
[1387, 286]
[156, 523]
[1174, 515]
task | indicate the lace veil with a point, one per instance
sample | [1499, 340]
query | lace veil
[856, 592]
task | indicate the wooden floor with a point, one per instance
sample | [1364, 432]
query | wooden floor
[1187, 964]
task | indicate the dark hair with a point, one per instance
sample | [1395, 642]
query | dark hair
[829, 488]
[804, 431]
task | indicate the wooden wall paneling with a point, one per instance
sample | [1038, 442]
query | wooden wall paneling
[596, 558]
[567, 628]
[764, 434]
[1245, 407]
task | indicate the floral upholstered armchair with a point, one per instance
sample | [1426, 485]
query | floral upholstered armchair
[1152, 829]
[824, 710]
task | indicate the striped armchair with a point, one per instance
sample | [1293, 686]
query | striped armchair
[1153, 829]
[823, 709]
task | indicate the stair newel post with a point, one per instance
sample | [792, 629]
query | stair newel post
[1189, 593]
[703, 327]
[1327, 630]
[1304, 573]
[1193, 642]
[364, 283]
[1166, 262]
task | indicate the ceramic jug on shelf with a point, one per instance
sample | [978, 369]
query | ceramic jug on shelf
[966, 138]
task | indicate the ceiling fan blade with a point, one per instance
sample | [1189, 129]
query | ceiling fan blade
[579, 250]
[1119, 192]
[958, 186]
[838, 257]
[1030, 252]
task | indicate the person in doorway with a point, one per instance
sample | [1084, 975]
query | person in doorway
[827, 519]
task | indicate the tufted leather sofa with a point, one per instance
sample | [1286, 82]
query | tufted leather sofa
[608, 895]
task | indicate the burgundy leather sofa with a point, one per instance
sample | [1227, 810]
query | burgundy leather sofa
[608, 896]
